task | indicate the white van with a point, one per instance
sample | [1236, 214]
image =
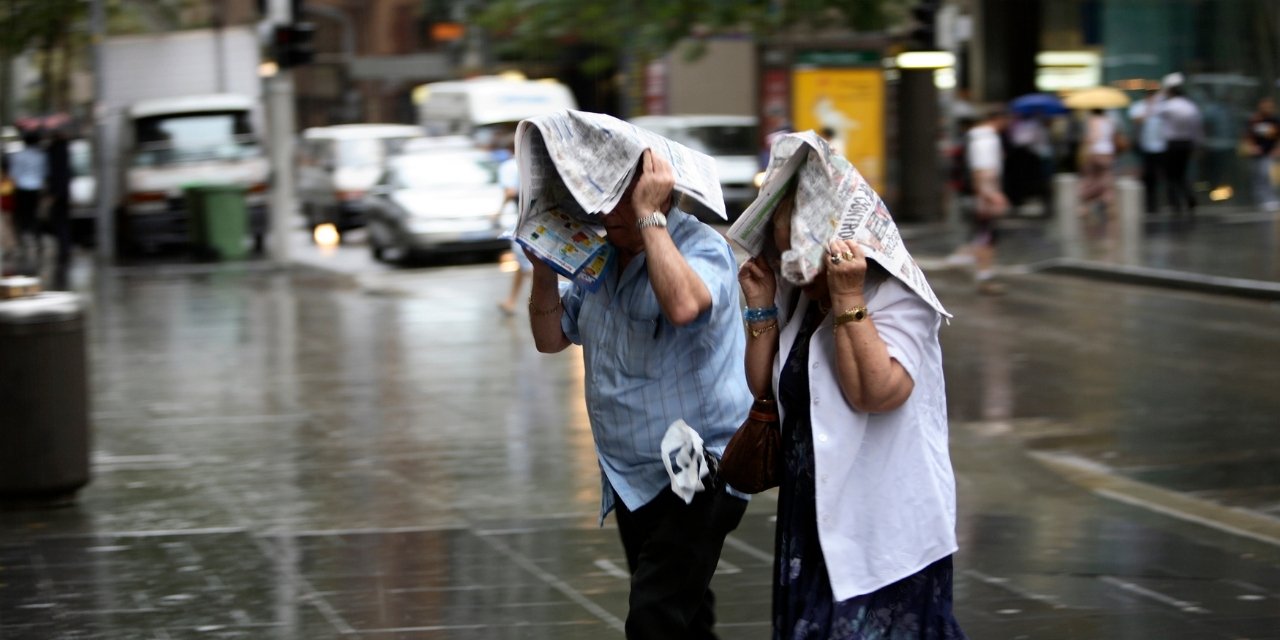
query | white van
[170, 143]
[733, 141]
[481, 107]
[337, 165]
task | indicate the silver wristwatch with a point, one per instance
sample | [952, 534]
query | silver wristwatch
[655, 219]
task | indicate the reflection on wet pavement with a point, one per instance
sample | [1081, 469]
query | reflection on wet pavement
[283, 456]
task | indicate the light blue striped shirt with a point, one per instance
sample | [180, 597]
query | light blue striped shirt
[643, 373]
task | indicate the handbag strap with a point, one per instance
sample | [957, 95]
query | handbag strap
[764, 410]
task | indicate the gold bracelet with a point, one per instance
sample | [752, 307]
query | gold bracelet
[756, 333]
[535, 311]
[856, 314]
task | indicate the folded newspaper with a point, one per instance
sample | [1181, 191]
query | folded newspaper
[832, 201]
[576, 165]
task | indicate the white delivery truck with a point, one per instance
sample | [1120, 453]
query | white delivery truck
[180, 109]
[483, 106]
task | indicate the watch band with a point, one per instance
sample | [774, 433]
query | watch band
[655, 219]
[856, 314]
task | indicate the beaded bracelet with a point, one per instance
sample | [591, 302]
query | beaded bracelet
[759, 314]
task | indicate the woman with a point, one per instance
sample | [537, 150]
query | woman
[1098, 184]
[866, 507]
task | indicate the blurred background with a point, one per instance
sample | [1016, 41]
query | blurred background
[90, 68]
[280, 379]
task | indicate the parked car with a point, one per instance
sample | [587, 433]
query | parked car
[442, 201]
[337, 165]
[733, 141]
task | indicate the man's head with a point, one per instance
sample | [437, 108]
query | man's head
[620, 223]
[1267, 106]
[995, 116]
[650, 190]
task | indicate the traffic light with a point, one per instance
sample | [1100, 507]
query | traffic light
[924, 37]
[293, 44]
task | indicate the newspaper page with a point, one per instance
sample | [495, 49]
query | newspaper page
[579, 165]
[832, 201]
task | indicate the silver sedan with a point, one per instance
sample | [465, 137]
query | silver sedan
[436, 202]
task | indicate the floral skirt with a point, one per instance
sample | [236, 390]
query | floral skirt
[916, 607]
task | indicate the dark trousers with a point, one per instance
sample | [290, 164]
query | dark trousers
[1152, 173]
[60, 225]
[1177, 159]
[672, 552]
[26, 211]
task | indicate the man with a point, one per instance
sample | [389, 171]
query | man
[1260, 139]
[29, 168]
[1151, 146]
[59, 160]
[662, 340]
[1183, 130]
[986, 165]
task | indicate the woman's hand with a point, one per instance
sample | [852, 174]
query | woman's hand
[846, 268]
[758, 282]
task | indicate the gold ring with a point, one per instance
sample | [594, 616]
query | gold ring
[847, 255]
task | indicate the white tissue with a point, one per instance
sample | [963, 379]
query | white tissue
[689, 466]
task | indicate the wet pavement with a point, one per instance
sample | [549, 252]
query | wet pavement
[374, 453]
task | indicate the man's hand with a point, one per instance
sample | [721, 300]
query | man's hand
[653, 188]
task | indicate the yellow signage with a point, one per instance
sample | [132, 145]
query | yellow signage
[847, 107]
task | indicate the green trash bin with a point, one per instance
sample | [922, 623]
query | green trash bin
[218, 220]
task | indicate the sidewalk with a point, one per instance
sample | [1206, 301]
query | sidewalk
[1232, 252]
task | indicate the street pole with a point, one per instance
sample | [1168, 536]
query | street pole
[919, 177]
[280, 122]
[103, 143]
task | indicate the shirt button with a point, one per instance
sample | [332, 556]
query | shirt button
[823, 478]
[815, 366]
[822, 437]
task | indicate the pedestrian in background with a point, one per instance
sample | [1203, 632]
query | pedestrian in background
[60, 195]
[1262, 145]
[1151, 145]
[866, 505]
[1183, 130]
[1028, 148]
[985, 159]
[1097, 184]
[509, 180]
[662, 340]
[29, 168]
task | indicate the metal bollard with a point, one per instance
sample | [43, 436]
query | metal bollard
[44, 397]
[1066, 206]
[1130, 194]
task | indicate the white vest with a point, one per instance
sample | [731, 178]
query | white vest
[885, 488]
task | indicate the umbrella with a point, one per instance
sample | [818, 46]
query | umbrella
[1038, 104]
[1097, 98]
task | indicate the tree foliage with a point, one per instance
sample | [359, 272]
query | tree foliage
[538, 29]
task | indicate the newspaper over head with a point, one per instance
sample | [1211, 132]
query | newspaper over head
[832, 201]
[575, 166]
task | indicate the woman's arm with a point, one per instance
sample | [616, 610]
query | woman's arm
[871, 380]
[758, 286]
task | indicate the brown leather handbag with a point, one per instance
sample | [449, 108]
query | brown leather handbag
[752, 461]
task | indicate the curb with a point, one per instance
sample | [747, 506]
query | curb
[1108, 483]
[1168, 278]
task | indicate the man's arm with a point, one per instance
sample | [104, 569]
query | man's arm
[546, 310]
[682, 295]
